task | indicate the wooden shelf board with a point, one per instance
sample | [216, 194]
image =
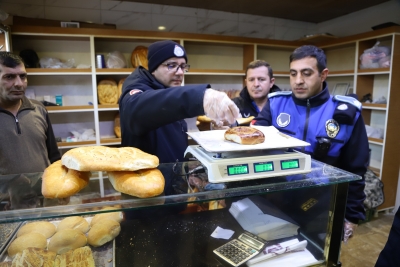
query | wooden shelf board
[341, 72]
[375, 170]
[372, 106]
[42, 70]
[78, 143]
[68, 108]
[376, 140]
[373, 71]
[110, 140]
[102, 71]
[111, 106]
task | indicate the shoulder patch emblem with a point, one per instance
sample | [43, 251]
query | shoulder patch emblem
[342, 107]
[135, 91]
[332, 128]
[283, 120]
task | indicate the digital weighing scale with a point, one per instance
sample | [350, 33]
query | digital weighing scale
[226, 161]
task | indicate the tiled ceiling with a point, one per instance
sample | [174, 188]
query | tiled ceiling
[301, 10]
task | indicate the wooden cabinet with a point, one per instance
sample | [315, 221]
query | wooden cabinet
[218, 60]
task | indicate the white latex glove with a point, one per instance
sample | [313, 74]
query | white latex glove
[218, 107]
[348, 230]
[221, 125]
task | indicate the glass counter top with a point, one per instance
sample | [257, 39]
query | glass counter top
[21, 198]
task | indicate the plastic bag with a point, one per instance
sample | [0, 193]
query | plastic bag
[374, 132]
[375, 57]
[116, 60]
[55, 63]
[373, 190]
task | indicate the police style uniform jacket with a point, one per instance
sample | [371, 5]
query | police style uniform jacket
[152, 116]
[246, 105]
[311, 119]
[27, 142]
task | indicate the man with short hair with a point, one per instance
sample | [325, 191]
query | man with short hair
[333, 125]
[27, 142]
[153, 105]
[260, 82]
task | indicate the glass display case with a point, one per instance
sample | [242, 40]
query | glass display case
[175, 230]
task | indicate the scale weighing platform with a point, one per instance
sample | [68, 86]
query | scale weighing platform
[226, 161]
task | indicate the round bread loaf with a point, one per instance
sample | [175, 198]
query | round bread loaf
[34, 240]
[203, 118]
[139, 57]
[74, 222]
[116, 216]
[103, 232]
[47, 229]
[120, 85]
[107, 91]
[65, 240]
[117, 126]
[244, 135]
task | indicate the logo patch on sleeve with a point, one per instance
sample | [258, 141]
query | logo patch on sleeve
[135, 91]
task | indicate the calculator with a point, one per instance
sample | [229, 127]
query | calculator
[240, 250]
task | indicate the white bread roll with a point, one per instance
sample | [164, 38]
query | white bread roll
[47, 229]
[60, 182]
[116, 216]
[65, 240]
[244, 135]
[102, 158]
[74, 222]
[34, 240]
[141, 183]
[103, 232]
[107, 91]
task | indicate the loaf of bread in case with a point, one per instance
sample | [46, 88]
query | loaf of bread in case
[59, 181]
[116, 216]
[34, 257]
[65, 240]
[74, 222]
[141, 183]
[244, 135]
[103, 232]
[107, 91]
[139, 57]
[79, 257]
[34, 240]
[47, 229]
[102, 158]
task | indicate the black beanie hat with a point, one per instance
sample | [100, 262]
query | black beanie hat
[160, 51]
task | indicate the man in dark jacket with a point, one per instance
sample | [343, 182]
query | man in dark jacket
[260, 82]
[332, 125]
[153, 105]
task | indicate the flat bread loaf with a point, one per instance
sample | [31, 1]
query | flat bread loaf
[59, 181]
[107, 91]
[102, 158]
[244, 135]
[80, 257]
[142, 183]
[34, 257]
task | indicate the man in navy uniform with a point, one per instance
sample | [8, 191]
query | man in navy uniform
[332, 125]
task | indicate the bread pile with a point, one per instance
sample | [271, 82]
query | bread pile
[244, 135]
[107, 92]
[131, 171]
[42, 243]
[139, 57]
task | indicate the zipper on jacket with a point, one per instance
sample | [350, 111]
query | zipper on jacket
[18, 127]
[306, 123]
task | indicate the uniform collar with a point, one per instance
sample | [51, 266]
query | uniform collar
[316, 100]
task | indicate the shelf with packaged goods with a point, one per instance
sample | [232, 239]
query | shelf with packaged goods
[48, 71]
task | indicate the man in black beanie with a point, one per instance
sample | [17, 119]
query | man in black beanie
[153, 105]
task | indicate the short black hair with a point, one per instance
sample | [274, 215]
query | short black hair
[310, 51]
[10, 60]
[260, 63]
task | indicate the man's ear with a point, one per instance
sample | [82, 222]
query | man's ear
[324, 74]
[272, 82]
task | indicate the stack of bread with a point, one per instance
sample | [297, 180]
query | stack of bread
[108, 92]
[130, 171]
[44, 243]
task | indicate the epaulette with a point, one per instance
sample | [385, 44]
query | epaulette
[279, 93]
[349, 100]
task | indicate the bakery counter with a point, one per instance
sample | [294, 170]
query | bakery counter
[176, 229]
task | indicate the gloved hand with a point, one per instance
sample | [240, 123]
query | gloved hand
[221, 125]
[348, 230]
[218, 107]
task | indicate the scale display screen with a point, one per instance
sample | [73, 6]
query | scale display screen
[238, 169]
[263, 167]
[290, 164]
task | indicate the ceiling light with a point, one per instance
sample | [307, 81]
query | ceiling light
[161, 28]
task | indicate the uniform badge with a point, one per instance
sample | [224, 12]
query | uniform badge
[332, 128]
[135, 91]
[283, 120]
[178, 51]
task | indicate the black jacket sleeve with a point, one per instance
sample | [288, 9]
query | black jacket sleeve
[152, 109]
[51, 144]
